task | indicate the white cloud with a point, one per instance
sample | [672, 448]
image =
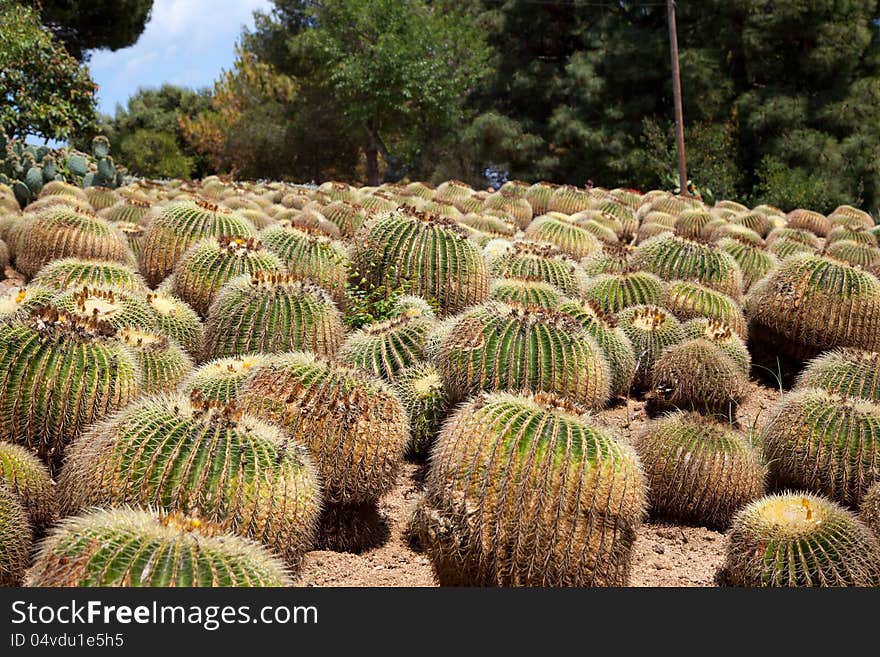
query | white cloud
[186, 42]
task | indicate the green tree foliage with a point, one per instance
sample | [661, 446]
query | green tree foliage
[245, 130]
[795, 80]
[44, 92]
[154, 154]
[151, 120]
[393, 74]
[83, 25]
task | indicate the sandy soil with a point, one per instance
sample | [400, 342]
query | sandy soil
[664, 554]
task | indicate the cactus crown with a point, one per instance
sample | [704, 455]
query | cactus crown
[54, 321]
[537, 250]
[389, 325]
[434, 219]
[210, 207]
[213, 412]
[189, 523]
[649, 318]
[161, 303]
[96, 302]
[266, 280]
[87, 212]
[792, 516]
[531, 314]
[539, 401]
[143, 339]
[590, 308]
[129, 228]
[239, 246]
[717, 330]
[137, 203]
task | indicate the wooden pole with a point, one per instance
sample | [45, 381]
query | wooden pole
[676, 93]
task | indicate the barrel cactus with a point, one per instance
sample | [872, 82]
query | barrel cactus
[130, 210]
[536, 262]
[63, 372]
[736, 232]
[524, 291]
[310, 255]
[486, 519]
[220, 380]
[62, 232]
[811, 303]
[756, 221]
[697, 375]
[616, 291]
[501, 347]
[135, 547]
[612, 259]
[184, 455]
[538, 196]
[852, 233]
[754, 262]
[691, 223]
[162, 361]
[869, 509]
[176, 319]
[349, 217]
[688, 300]
[28, 478]
[650, 329]
[177, 227]
[846, 372]
[699, 471]
[854, 253]
[568, 237]
[814, 222]
[16, 537]
[271, 312]
[722, 336]
[568, 200]
[207, 265]
[516, 206]
[386, 347]
[785, 247]
[676, 258]
[615, 346]
[848, 214]
[69, 273]
[429, 255]
[825, 443]
[421, 392]
[354, 426]
[795, 539]
[490, 224]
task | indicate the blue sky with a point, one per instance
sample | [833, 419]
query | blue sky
[186, 42]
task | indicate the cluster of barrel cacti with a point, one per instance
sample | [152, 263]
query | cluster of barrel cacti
[26, 168]
[245, 367]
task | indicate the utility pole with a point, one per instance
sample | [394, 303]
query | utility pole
[676, 93]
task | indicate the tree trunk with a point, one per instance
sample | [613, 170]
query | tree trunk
[372, 153]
